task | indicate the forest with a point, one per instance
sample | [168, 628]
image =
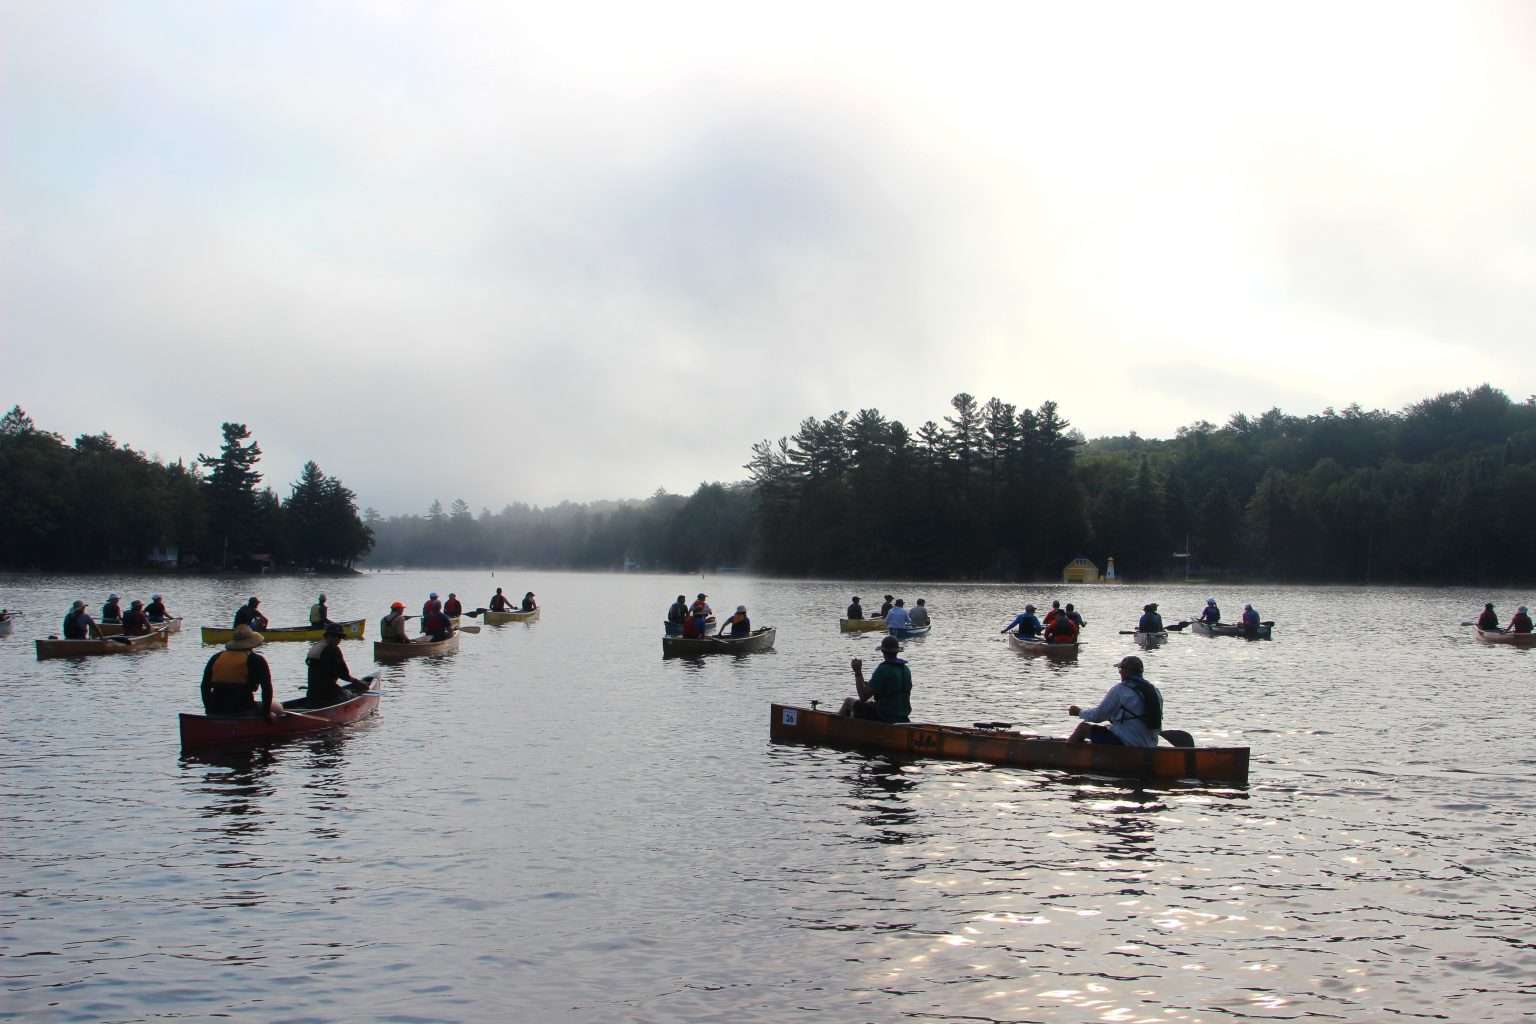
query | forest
[1435, 493]
[97, 503]
[1438, 492]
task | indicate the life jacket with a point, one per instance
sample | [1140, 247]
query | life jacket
[1052, 615]
[1250, 618]
[700, 609]
[111, 612]
[499, 603]
[453, 607]
[392, 628]
[1487, 620]
[693, 626]
[155, 610]
[317, 615]
[1520, 623]
[1211, 614]
[135, 623]
[1063, 630]
[74, 627]
[1151, 703]
[232, 669]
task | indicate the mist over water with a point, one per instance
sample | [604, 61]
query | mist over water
[558, 824]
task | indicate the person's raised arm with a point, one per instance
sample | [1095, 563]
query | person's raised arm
[858, 680]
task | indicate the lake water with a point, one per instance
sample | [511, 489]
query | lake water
[558, 824]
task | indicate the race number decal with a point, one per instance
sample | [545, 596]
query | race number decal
[791, 716]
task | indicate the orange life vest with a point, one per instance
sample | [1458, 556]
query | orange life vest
[231, 669]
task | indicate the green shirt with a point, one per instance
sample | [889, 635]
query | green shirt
[892, 686]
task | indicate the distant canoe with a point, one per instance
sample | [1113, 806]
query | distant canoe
[116, 628]
[1024, 646]
[422, 648]
[860, 625]
[498, 618]
[677, 646]
[205, 731]
[910, 632]
[352, 629]
[990, 746]
[1231, 629]
[1150, 639]
[6, 625]
[55, 648]
[1499, 636]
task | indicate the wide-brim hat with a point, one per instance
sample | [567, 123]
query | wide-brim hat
[890, 643]
[245, 639]
[1130, 661]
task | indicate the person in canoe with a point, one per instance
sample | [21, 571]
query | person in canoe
[155, 610]
[920, 614]
[249, 614]
[1250, 621]
[855, 610]
[78, 624]
[676, 616]
[1055, 613]
[1521, 622]
[499, 602]
[453, 607]
[898, 617]
[885, 609]
[1076, 616]
[700, 608]
[392, 626]
[1151, 621]
[135, 622]
[739, 623]
[1211, 614]
[232, 677]
[1026, 623]
[433, 622]
[1131, 712]
[112, 611]
[319, 614]
[1061, 630]
[1489, 620]
[887, 697]
[327, 668]
[529, 604]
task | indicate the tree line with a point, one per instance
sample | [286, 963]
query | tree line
[97, 503]
[1437, 492]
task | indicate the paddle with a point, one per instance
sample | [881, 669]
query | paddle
[468, 629]
[1178, 737]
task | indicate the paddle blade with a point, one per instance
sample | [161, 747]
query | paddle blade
[1178, 737]
[469, 629]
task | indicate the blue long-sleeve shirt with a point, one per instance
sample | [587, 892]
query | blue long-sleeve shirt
[1026, 623]
[1121, 709]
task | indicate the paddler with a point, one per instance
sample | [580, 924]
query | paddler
[112, 611]
[319, 614]
[1211, 614]
[392, 626]
[1025, 622]
[887, 697]
[1489, 620]
[855, 610]
[1250, 621]
[885, 609]
[1151, 621]
[327, 667]
[433, 622]
[249, 615]
[898, 617]
[232, 677]
[1061, 629]
[529, 604]
[499, 602]
[677, 615]
[78, 624]
[1521, 623]
[155, 610]
[920, 618]
[453, 607]
[1132, 711]
[135, 622]
[739, 623]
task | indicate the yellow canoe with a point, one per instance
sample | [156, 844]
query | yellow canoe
[351, 630]
[860, 625]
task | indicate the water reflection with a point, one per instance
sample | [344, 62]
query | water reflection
[880, 788]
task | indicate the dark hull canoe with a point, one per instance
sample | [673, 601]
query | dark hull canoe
[116, 628]
[203, 731]
[352, 629]
[498, 618]
[1161, 764]
[684, 647]
[1231, 629]
[860, 625]
[1489, 636]
[53, 648]
[1151, 639]
[910, 632]
[1041, 647]
[421, 648]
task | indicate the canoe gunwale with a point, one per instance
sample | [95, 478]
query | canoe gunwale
[352, 629]
[202, 732]
[390, 651]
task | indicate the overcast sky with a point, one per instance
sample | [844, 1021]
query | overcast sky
[579, 251]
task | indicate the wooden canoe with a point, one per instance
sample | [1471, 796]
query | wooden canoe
[1231, 629]
[56, 648]
[860, 625]
[679, 647]
[421, 647]
[116, 628]
[352, 629]
[1165, 764]
[498, 618]
[1499, 636]
[1024, 646]
[203, 731]
[910, 632]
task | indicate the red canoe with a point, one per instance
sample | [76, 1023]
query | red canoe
[218, 731]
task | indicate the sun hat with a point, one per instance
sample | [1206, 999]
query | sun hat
[245, 639]
[1210, 600]
[741, 607]
[1131, 662]
[78, 605]
[154, 597]
[399, 604]
[433, 594]
[111, 597]
[890, 643]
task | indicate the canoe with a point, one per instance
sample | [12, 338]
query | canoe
[677, 646]
[352, 629]
[1041, 647]
[497, 618]
[232, 730]
[1150, 639]
[6, 625]
[56, 648]
[860, 625]
[1230, 629]
[910, 632]
[1490, 636]
[992, 746]
[418, 648]
[116, 628]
